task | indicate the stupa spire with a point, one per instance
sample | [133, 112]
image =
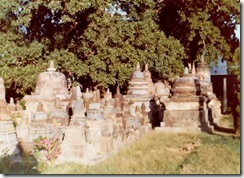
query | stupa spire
[51, 67]
[146, 67]
[138, 66]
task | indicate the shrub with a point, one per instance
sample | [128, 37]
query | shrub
[50, 147]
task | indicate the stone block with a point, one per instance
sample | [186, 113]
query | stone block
[58, 113]
[95, 115]
[40, 117]
[162, 124]
[95, 106]
[183, 106]
[181, 118]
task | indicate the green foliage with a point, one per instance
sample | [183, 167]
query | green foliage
[23, 104]
[235, 69]
[203, 27]
[100, 46]
[115, 49]
[19, 62]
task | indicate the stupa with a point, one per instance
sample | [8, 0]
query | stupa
[186, 107]
[50, 85]
[138, 84]
[203, 70]
[3, 103]
[138, 91]
[162, 91]
[151, 87]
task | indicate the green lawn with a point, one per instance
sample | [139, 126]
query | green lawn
[155, 153]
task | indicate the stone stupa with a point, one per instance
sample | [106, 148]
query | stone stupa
[50, 86]
[186, 107]
[138, 90]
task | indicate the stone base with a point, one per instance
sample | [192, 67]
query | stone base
[40, 117]
[162, 124]
[95, 114]
[77, 120]
[58, 113]
[185, 103]
[177, 129]
[180, 118]
[138, 100]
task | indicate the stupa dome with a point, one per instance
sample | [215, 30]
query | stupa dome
[51, 83]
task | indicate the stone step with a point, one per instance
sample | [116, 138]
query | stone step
[206, 124]
[177, 129]
[208, 129]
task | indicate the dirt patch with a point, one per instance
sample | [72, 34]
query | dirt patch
[186, 148]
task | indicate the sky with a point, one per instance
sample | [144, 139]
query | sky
[221, 69]
[237, 31]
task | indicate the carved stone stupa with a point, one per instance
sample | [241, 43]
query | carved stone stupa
[186, 106]
[138, 90]
[138, 84]
[203, 70]
[151, 87]
[3, 103]
[51, 84]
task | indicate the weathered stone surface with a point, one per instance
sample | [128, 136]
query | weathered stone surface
[182, 106]
[8, 139]
[76, 93]
[204, 71]
[148, 77]
[78, 108]
[133, 122]
[73, 144]
[11, 106]
[52, 84]
[40, 117]
[186, 86]
[108, 95]
[186, 108]
[2, 90]
[215, 107]
[96, 106]
[97, 129]
[96, 115]
[87, 98]
[182, 118]
[118, 99]
[138, 84]
[50, 99]
[161, 90]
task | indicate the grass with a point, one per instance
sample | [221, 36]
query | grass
[226, 121]
[28, 165]
[163, 153]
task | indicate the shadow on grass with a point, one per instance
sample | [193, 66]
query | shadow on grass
[224, 130]
[17, 165]
[219, 129]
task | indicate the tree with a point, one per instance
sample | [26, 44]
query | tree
[235, 68]
[86, 41]
[203, 27]
[99, 42]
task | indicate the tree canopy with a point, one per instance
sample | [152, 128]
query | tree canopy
[99, 42]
